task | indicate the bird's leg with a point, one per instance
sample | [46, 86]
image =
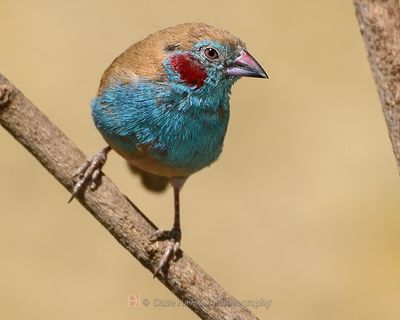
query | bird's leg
[90, 171]
[173, 235]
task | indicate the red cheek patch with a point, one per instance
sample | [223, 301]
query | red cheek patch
[189, 69]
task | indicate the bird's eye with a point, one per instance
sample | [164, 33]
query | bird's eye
[211, 53]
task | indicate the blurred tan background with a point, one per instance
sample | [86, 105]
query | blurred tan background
[302, 208]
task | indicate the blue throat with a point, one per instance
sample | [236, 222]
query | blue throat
[181, 126]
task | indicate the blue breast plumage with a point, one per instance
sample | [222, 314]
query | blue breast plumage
[161, 128]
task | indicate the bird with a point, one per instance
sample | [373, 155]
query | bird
[163, 105]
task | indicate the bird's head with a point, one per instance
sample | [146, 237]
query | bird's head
[198, 55]
[191, 56]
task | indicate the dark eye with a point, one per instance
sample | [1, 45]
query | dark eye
[211, 53]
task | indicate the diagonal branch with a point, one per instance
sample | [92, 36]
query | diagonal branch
[186, 279]
[379, 22]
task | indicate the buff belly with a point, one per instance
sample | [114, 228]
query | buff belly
[142, 160]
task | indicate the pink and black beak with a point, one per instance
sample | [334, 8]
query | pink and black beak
[245, 66]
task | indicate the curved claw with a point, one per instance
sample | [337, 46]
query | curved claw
[160, 235]
[169, 253]
[171, 249]
[90, 171]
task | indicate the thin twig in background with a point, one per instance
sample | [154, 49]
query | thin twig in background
[379, 22]
[186, 279]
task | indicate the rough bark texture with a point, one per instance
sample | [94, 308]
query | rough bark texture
[187, 280]
[379, 22]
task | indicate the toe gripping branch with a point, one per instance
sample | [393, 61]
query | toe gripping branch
[89, 172]
[171, 250]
